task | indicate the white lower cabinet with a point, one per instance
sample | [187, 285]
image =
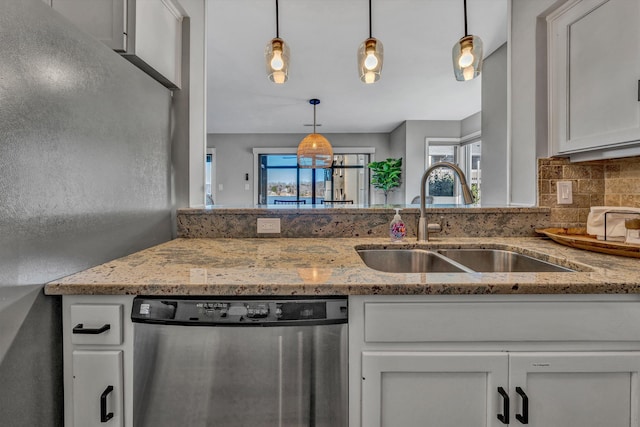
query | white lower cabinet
[98, 360]
[590, 389]
[432, 389]
[97, 388]
[494, 361]
[442, 389]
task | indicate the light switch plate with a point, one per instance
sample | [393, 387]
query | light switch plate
[268, 225]
[565, 192]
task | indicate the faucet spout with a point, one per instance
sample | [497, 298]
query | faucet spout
[423, 231]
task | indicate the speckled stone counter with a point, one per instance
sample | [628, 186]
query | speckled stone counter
[320, 266]
[357, 221]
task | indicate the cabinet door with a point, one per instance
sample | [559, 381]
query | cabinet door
[97, 389]
[575, 389]
[103, 19]
[158, 41]
[407, 389]
[594, 67]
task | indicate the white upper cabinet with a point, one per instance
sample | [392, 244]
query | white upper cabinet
[103, 19]
[146, 32]
[594, 72]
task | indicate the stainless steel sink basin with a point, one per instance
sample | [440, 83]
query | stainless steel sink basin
[496, 260]
[454, 260]
[408, 261]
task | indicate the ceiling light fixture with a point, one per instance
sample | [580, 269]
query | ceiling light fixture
[314, 151]
[277, 56]
[467, 54]
[370, 55]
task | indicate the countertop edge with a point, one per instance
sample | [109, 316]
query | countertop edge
[308, 266]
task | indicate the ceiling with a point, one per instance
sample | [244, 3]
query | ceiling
[417, 80]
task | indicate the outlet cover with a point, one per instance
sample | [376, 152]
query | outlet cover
[565, 192]
[268, 225]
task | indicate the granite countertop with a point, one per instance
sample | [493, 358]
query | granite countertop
[331, 266]
[347, 208]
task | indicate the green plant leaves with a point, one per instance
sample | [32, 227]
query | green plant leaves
[386, 174]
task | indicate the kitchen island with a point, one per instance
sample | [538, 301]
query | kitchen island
[418, 343]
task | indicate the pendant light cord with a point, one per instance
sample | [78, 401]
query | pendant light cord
[370, 32]
[466, 33]
[278, 22]
[314, 102]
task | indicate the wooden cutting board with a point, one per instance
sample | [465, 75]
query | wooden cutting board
[578, 238]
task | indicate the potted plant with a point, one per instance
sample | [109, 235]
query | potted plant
[386, 175]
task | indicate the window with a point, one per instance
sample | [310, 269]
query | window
[280, 180]
[443, 183]
[210, 176]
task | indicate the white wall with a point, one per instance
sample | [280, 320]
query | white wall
[494, 129]
[188, 150]
[197, 99]
[416, 132]
[397, 149]
[234, 154]
[527, 137]
[471, 124]
[85, 177]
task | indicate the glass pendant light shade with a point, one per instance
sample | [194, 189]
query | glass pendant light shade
[315, 151]
[370, 57]
[467, 58]
[277, 60]
[276, 56]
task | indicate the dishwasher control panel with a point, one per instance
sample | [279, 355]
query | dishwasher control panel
[201, 311]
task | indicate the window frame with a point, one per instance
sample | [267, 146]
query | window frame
[460, 158]
[257, 151]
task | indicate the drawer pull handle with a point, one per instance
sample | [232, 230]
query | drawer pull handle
[524, 418]
[80, 329]
[504, 417]
[104, 415]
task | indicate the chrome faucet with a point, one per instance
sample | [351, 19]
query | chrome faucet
[423, 229]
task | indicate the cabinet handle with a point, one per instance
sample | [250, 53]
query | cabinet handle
[104, 415]
[504, 417]
[524, 418]
[80, 329]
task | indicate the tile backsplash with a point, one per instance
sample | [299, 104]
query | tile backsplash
[598, 183]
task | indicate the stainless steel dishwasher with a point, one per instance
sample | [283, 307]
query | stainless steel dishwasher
[230, 362]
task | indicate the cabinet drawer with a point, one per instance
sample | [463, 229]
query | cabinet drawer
[96, 324]
[502, 321]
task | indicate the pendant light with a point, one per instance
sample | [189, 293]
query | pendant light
[314, 151]
[370, 55]
[467, 54]
[277, 56]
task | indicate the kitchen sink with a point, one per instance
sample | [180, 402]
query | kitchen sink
[497, 261]
[454, 260]
[408, 261]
